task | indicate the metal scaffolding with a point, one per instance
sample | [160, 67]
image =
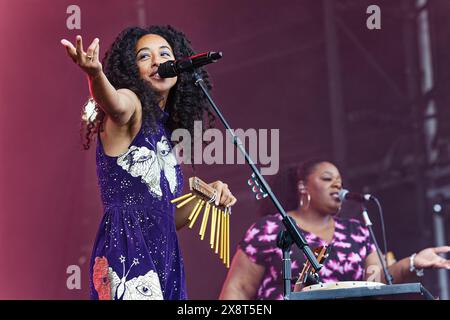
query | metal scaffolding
[422, 122]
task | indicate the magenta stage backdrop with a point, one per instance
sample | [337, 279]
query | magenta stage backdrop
[273, 76]
[50, 205]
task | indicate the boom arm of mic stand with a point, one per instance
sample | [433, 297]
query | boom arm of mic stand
[290, 226]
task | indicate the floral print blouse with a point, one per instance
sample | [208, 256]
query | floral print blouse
[350, 246]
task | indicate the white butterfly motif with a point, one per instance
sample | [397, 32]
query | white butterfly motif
[147, 164]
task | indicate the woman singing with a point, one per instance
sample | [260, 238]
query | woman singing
[136, 254]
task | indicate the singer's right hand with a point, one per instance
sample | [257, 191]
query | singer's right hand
[88, 61]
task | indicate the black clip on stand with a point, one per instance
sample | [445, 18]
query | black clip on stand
[284, 242]
[368, 224]
[292, 233]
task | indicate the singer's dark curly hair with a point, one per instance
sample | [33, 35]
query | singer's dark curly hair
[185, 104]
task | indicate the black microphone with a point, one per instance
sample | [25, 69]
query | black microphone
[344, 194]
[171, 69]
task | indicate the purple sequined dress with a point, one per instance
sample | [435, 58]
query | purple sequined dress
[136, 253]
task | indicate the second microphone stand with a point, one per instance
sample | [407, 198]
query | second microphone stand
[368, 224]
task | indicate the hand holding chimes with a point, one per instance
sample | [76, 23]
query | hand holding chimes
[215, 200]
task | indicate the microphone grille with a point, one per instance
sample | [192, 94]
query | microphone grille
[167, 70]
[342, 194]
[216, 55]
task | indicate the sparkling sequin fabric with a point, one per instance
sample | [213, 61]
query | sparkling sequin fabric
[136, 253]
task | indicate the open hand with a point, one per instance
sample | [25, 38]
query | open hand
[429, 258]
[88, 61]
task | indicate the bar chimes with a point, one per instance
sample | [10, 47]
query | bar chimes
[205, 197]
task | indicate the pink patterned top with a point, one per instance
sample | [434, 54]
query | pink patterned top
[350, 245]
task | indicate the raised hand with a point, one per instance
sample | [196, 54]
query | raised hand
[88, 61]
[429, 258]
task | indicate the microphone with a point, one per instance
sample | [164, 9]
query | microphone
[344, 194]
[171, 69]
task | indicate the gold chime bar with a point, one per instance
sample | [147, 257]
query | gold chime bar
[219, 235]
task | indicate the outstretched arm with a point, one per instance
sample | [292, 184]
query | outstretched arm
[425, 259]
[119, 105]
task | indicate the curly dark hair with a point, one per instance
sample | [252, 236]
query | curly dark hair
[185, 104]
[284, 185]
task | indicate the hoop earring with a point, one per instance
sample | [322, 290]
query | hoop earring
[337, 214]
[308, 198]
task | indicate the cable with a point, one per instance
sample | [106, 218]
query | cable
[383, 230]
[384, 264]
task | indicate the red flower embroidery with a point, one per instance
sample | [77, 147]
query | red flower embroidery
[101, 279]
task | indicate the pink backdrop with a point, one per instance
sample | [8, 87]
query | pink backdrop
[50, 205]
[273, 76]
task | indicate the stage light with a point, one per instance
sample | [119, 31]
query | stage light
[437, 208]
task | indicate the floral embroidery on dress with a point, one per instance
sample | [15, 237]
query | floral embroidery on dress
[148, 164]
[138, 221]
[101, 280]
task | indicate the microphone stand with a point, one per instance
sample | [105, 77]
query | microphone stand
[292, 230]
[368, 224]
